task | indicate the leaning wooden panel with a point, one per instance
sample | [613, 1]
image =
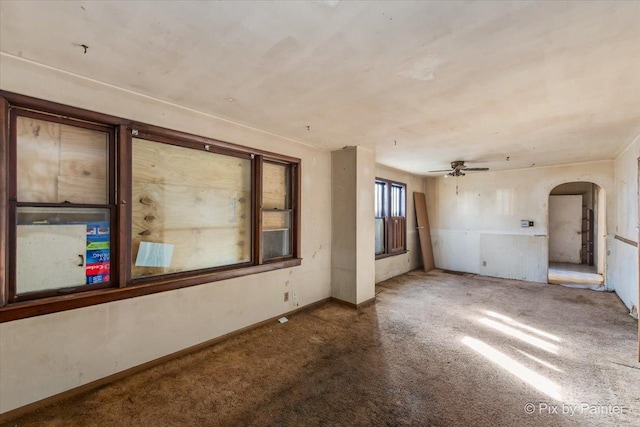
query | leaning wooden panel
[423, 231]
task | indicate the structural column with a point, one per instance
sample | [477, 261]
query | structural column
[352, 213]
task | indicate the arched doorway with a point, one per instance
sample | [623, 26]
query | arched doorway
[577, 229]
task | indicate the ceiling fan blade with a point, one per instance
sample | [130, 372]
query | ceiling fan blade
[442, 170]
[476, 169]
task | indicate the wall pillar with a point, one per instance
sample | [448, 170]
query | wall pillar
[352, 213]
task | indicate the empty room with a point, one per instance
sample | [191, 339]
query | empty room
[319, 213]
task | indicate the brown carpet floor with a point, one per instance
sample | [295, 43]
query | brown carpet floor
[436, 349]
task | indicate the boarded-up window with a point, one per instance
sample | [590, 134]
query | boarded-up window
[192, 208]
[100, 209]
[276, 211]
[63, 227]
[58, 163]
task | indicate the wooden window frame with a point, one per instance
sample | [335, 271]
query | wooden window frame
[292, 176]
[122, 285]
[14, 204]
[388, 219]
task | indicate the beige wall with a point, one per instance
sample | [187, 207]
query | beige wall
[399, 264]
[366, 246]
[46, 355]
[343, 229]
[353, 245]
[478, 230]
[625, 256]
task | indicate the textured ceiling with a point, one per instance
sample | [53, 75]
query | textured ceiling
[421, 83]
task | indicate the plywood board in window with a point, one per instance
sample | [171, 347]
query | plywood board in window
[166, 164]
[83, 153]
[198, 248]
[82, 190]
[58, 163]
[275, 220]
[178, 206]
[274, 186]
[38, 160]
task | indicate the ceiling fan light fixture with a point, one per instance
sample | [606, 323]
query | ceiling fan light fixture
[458, 168]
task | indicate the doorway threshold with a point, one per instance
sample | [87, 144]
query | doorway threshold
[574, 274]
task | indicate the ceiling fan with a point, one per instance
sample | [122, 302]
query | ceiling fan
[458, 168]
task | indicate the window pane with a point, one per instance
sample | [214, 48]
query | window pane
[58, 163]
[61, 247]
[275, 186]
[379, 223]
[397, 200]
[379, 199]
[191, 209]
[276, 234]
[276, 211]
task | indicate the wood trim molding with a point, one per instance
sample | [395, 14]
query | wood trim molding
[367, 303]
[4, 207]
[120, 151]
[363, 304]
[122, 220]
[14, 413]
[297, 206]
[627, 241]
[387, 255]
[68, 302]
[195, 141]
[256, 189]
[60, 109]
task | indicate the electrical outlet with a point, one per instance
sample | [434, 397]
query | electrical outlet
[286, 296]
[294, 295]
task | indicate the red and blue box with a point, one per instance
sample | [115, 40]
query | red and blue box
[98, 257]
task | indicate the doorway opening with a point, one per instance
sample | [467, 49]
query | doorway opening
[577, 245]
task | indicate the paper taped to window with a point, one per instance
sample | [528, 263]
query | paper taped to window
[154, 254]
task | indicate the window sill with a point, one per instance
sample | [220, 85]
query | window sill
[22, 310]
[381, 256]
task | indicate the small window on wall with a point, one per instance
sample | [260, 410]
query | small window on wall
[380, 218]
[390, 217]
[62, 207]
[276, 211]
